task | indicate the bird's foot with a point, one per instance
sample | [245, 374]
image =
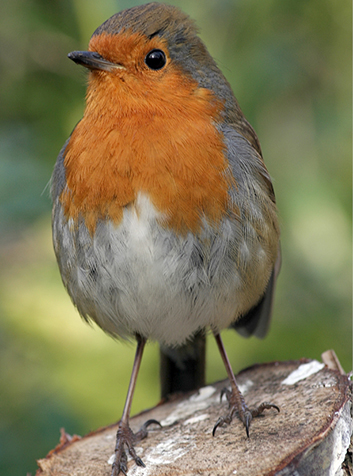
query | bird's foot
[238, 407]
[125, 440]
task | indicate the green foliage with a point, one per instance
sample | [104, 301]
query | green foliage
[290, 66]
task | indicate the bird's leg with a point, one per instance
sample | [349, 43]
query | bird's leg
[125, 438]
[235, 398]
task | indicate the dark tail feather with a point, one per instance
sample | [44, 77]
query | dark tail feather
[182, 369]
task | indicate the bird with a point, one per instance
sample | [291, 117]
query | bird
[164, 221]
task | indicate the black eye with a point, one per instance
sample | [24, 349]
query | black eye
[156, 59]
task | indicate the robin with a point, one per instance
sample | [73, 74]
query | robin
[164, 215]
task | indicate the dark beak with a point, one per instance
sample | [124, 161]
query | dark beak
[92, 60]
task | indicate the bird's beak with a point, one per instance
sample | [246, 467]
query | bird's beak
[93, 60]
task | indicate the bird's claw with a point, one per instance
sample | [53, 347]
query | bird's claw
[225, 391]
[264, 406]
[244, 413]
[125, 439]
[142, 433]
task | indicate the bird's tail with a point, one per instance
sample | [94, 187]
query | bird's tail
[182, 369]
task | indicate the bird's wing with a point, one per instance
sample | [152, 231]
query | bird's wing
[256, 321]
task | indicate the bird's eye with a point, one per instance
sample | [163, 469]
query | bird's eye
[156, 59]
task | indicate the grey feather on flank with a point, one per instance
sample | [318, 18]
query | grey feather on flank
[256, 321]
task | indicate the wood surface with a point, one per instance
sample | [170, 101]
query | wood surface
[309, 437]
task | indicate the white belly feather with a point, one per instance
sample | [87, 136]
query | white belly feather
[139, 277]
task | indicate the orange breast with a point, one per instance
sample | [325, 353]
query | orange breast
[161, 142]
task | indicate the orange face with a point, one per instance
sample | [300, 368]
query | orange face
[149, 131]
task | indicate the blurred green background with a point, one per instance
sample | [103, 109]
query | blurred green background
[289, 63]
